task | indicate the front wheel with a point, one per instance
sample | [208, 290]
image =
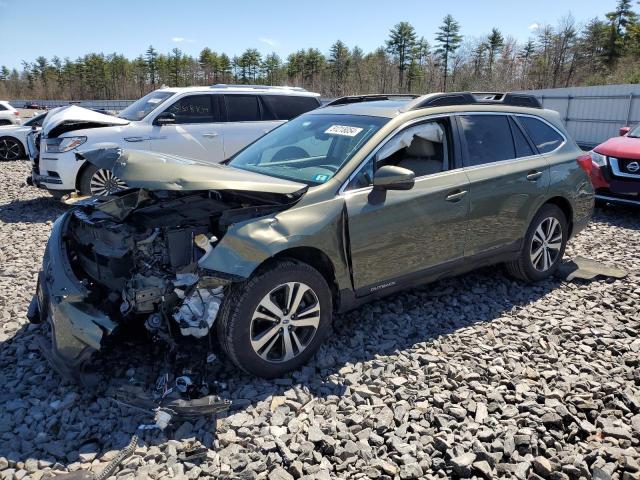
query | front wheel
[274, 322]
[101, 182]
[543, 246]
[11, 149]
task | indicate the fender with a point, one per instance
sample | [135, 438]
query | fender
[248, 244]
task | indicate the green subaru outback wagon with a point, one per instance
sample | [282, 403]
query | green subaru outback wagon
[346, 203]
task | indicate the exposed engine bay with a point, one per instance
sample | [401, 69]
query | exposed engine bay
[139, 254]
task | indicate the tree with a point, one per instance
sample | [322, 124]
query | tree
[271, 67]
[448, 41]
[339, 60]
[619, 20]
[495, 42]
[151, 57]
[402, 39]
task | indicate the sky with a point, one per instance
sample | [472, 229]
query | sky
[71, 28]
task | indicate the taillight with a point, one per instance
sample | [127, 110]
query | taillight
[17, 113]
[585, 163]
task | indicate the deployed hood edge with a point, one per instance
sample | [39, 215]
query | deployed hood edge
[158, 171]
[66, 119]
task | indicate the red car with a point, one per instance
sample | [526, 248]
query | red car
[614, 167]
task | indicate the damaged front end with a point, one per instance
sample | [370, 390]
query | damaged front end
[136, 259]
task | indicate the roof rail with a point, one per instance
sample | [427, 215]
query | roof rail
[471, 98]
[259, 87]
[368, 98]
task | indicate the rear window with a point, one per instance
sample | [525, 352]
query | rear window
[286, 107]
[523, 148]
[488, 138]
[242, 108]
[545, 138]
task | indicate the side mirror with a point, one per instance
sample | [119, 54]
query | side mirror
[391, 177]
[165, 118]
[624, 130]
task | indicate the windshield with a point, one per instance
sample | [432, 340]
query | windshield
[35, 121]
[635, 132]
[144, 106]
[310, 148]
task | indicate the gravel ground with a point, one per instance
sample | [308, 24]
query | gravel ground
[477, 376]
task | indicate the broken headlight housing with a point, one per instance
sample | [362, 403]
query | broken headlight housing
[598, 158]
[64, 144]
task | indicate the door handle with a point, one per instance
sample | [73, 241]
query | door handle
[534, 175]
[455, 196]
[210, 134]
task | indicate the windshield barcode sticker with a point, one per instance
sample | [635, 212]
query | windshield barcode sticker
[343, 130]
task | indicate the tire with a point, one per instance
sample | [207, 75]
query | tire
[98, 181]
[11, 149]
[258, 346]
[534, 268]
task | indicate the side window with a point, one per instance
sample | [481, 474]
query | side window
[286, 107]
[194, 109]
[242, 108]
[523, 149]
[545, 137]
[488, 138]
[2, 107]
[424, 149]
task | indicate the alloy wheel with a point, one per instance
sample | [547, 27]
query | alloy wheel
[546, 244]
[104, 182]
[9, 149]
[285, 322]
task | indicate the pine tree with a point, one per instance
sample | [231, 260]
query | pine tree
[151, 57]
[402, 39]
[619, 20]
[448, 41]
[339, 61]
[495, 42]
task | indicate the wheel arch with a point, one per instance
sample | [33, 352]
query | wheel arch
[81, 171]
[312, 256]
[565, 205]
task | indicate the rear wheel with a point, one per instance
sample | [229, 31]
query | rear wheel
[543, 246]
[98, 181]
[11, 149]
[274, 322]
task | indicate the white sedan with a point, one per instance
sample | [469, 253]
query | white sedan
[13, 138]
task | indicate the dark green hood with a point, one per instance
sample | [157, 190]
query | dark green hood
[159, 171]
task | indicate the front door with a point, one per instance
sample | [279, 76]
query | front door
[396, 235]
[197, 131]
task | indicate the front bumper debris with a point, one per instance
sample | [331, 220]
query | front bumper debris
[77, 328]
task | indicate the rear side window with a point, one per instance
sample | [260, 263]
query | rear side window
[286, 107]
[2, 107]
[545, 137]
[193, 109]
[488, 138]
[523, 148]
[242, 108]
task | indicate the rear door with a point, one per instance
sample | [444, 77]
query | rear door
[397, 235]
[245, 119]
[507, 177]
[197, 131]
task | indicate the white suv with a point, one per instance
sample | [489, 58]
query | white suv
[208, 124]
[8, 114]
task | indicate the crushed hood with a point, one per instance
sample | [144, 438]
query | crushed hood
[159, 171]
[66, 119]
